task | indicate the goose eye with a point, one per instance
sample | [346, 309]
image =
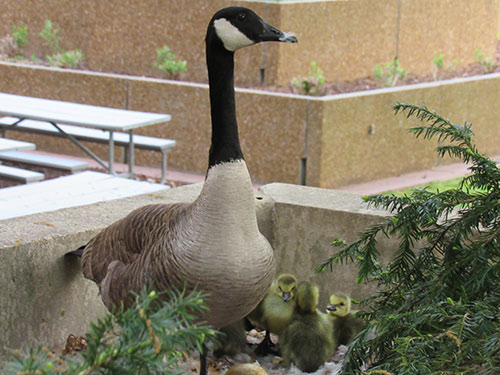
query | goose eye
[341, 303]
[242, 17]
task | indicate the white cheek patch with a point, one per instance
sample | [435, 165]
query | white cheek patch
[231, 37]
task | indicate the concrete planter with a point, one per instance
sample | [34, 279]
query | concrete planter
[45, 297]
[346, 38]
[328, 141]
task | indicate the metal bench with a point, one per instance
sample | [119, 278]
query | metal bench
[93, 135]
[19, 174]
[66, 164]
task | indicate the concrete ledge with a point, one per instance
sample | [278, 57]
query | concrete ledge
[45, 297]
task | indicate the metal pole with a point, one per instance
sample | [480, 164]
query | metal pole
[111, 153]
[131, 153]
[84, 148]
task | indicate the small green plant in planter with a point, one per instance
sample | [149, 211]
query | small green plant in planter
[66, 59]
[389, 73]
[313, 84]
[59, 57]
[488, 64]
[438, 66]
[167, 63]
[148, 338]
[51, 36]
[20, 35]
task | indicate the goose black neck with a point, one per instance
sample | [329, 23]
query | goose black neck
[225, 145]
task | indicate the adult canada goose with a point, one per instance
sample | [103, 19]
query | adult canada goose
[345, 324]
[214, 243]
[276, 309]
[307, 341]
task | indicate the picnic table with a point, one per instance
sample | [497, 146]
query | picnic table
[57, 112]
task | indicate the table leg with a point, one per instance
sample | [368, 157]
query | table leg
[82, 147]
[131, 153]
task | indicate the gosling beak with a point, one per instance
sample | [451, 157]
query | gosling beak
[331, 307]
[272, 34]
[286, 296]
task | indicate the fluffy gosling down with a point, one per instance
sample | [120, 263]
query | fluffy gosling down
[307, 342]
[275, 311]
[345, 324]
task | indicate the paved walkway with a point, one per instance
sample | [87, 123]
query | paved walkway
[440, 173]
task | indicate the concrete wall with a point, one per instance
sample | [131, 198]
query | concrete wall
[345, 139]
[346, 38]
[362, 140]
[45, 297]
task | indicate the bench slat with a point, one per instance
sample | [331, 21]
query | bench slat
[20, 174]
[69, 191]
[45, 160]
[87, 134]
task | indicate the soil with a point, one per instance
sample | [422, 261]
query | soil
[8, 53]
[370, 83]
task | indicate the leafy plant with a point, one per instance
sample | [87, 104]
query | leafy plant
[311, 85]
[20, 35]
[438, 60]
[59, 57]
[436, 311]
[167, 63]
[66, 59]
[51, 36]
[148, 338]
[389, 73]
[487, 63]
[438, 66]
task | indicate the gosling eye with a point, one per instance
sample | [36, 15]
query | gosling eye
[341, 303]
[242, 17]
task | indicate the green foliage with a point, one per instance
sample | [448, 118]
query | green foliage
[311, 85]
[488, 64]
[20, 35]
[167, 63]
[436, 310]
[148, 338]
[438, 60]
[389, 73]
[51, 36]
[438, 66]
[59, 57]
[66, 59]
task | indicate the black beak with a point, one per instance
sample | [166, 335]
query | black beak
[286, 296]
[331, 308]
[272, 34]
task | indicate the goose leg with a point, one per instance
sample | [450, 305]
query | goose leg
[265, 347]
[203, 360]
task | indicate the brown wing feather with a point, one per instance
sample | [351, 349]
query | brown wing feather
[129, 238]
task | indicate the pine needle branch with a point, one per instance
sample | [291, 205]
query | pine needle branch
[436, 310]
